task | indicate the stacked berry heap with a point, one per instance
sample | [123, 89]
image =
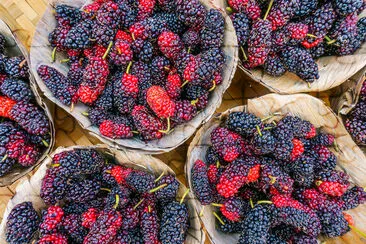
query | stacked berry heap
[92, 199]
[356, 119]
[24, 126]
[142, 67]
[274, 182]
[289, 35]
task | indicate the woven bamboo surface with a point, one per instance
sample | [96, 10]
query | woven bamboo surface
[22, 17]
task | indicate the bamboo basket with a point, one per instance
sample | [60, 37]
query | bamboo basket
[350, 157]
[29, 189]
[14, 47]
[41, 53]
[333, 71]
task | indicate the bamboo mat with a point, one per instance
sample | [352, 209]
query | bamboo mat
[22, 17]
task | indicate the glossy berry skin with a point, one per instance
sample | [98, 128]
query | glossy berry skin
[191, 13]
[274, 66]
[249, 7]
[170, 44]
[306, 7]
[332, 183]
[148, 125]
[89, 217]
[242, 27]
[53, 187]
[243, 123]
[241, 171]
[21, 223]
[116, 128]
[357, 128]
[51, 219]
[82, 191]
[73, 227]
[259, 42]
[150, 227]
[140, 181]
[105, 227]
[352, 198]
[281, 12]
[274, 179]
[169, 192]
[212, 33]
[16, 67]
[79, 35]
[345, 7]
[300, 62]
[174, 223]
[184, 111]
[16, 89]
[55, 238]
[229, 145]
[60, 85]
[160, 102]
[200, 183]
[234, 209]
[256, 226]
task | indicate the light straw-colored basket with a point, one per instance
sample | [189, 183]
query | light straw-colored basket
[41, 54]
[29, 189]
[350, 157]
[14, 47]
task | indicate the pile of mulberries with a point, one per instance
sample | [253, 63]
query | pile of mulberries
[291, 35]
[356, 119]
[24, 126]
[90, 198]
[274, 182]
[137, 64]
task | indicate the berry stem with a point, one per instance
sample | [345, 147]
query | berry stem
[128, 67]
[138, 204]
[218, 218]
[269, 8]
[53, 55]
[72, 107]
[45, 143]
[259, 130]
[311, 35]
[108, 171]
[135, 132]
[184, 196]
[309, 85]
[218, 164]
[264, 201]
[4, 158]
[184, 83]
[318, 182]
[189, 50]
[217, 205]
[64, 60]
[168, 127]
[108, 50]
[55, 165]
[158, 188]
[85, 113]
[244, 55]
[329, 41]
[230, 10]
[213, 86]
[358, 231]
[117, 202]
[105, 189]
[336, 146]
[201, 212]
[193, 102]
[161, 175]
[251, 203]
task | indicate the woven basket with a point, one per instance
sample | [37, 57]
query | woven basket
[14, 47]
[41, 53]
[350, 157]
[29, 190]
[333, 71]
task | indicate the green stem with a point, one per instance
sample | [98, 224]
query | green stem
[269, 8]
[53, 55]
[264, 201]
[161, 175]
[128, 67]
[244, 55]
[259, 130]
[230, 10]
[4, 158]
[251, 202]
[158, 188]
[217, 205]
[45, 143]
[184, 196]
[218, 218]
[117, 202]
[108, 50]
[358, 231]
[311, 35]
[213, 86]
[85, 113]
[168, 127]
[138, 204]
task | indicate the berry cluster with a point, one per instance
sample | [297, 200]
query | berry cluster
[142, 67]
[24, 126]
[289, 35]
[274, 182]
[356, 119]
[91, 198]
